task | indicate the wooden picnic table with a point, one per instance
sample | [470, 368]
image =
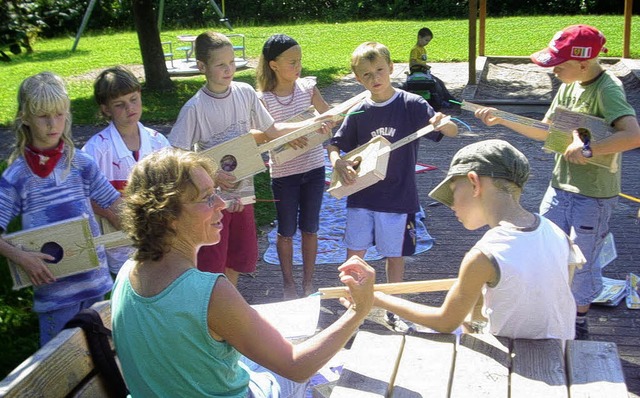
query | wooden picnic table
[188, 49]
[472, 365]
[239, 45]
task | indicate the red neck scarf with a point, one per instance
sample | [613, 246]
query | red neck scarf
[42, 161]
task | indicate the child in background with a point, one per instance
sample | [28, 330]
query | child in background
[118, 147]
[298, 185]
[418, 64]
[222, 110]
[48, 181]
[581, 196]
[384, 213]
[525, 296]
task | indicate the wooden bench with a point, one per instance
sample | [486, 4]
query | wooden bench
[442, 365]
[61, 368]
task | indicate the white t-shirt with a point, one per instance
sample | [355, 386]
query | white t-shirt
[116, 161]
[207, 120]
[532, 298]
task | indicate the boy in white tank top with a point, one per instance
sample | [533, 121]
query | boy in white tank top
[525, 296]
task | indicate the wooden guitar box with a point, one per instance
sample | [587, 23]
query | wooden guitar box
[69, 241]
[373, 158]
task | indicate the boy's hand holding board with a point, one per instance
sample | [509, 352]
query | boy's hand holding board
[563, 123]
[371, 160]
[70, 242]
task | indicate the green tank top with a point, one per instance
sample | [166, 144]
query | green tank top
[164, 345]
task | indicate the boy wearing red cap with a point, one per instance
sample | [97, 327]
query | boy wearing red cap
[581, 196]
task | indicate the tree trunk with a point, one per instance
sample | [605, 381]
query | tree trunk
[155, 69]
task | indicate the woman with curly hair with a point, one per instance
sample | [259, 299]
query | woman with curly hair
[182, 332]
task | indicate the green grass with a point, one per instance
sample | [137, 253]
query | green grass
[326, 52]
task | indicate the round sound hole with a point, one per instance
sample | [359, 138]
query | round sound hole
[228, 163]
[54, 250]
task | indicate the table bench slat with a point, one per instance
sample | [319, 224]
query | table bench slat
[425, 366]
[482, 367]
[538, 369]
[594, 370]
[372, 362]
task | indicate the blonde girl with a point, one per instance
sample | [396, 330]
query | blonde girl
[298, 184]
[48, 181]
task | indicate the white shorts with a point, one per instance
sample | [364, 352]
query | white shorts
[393, 234]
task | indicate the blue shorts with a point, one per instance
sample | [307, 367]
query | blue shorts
[298, 201]
[393, 234]
[586, 221]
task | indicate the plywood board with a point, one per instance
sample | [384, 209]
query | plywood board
[373, 158]
[70, 241]
[239, 156]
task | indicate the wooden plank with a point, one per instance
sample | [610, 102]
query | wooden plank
[71, 241]
[95, 386]
[373, 160]
[323, 390]
[239, 156]
[434, 285]
[481, 367]
[538, 369]
[425, 366]
[286, 152]
[57, 368]
[594, 370]
[370, 366]
[335, 114]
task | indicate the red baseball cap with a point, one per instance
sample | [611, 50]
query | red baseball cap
[576, 42]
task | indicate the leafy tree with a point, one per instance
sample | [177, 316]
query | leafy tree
[19, 26]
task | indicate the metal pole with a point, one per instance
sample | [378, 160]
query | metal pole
[483, 19]
[628, 10]
[83, 25]
[473, 10]
[160, 14]
[223, 19]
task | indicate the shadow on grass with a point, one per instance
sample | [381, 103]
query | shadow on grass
[44, 56]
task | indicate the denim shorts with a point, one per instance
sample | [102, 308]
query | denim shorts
[393, 234]
[298, 201]
[586, 221]
[52, 322]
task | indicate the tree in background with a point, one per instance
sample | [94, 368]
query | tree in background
[155, 70]
[19, 25]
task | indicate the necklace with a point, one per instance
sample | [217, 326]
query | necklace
[293, 95]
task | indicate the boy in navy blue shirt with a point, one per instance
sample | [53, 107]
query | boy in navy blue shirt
[384, 213]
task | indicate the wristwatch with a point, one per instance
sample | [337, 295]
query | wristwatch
[586, 149]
